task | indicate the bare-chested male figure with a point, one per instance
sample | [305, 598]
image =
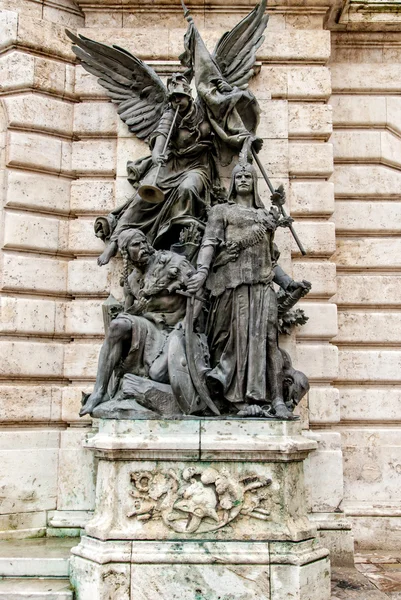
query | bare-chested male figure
[137, 340]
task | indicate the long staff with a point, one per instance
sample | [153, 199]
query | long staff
[273, 191]
[152, 193]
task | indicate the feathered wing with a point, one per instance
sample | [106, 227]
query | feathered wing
[136, 88]
[235, 53]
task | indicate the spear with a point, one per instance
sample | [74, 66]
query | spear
[185, 9]
[273, 191]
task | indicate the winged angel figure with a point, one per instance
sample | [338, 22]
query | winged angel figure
[202, 133]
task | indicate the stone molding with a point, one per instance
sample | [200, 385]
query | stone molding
[201, 439]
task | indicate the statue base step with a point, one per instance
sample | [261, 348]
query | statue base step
[200, 509]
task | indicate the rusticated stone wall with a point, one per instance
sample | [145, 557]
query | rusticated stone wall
[366, 101]
[65, 162]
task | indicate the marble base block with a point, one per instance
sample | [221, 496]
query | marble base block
[200, 509]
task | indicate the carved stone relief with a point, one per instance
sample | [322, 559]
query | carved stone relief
[198, 499]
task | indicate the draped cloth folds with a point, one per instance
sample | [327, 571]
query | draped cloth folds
[238, 327]
[233, 115]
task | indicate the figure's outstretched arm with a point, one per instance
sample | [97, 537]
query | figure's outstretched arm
[205, 258]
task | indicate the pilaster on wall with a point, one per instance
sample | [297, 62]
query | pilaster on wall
[366, 104]
[38, 449]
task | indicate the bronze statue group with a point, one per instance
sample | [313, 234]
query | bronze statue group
[201, 315]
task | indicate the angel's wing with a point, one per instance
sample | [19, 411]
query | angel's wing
[235, 52]
[136, 88]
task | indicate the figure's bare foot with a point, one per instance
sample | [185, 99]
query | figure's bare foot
[92, 401]
[107, 254]
[281, 410]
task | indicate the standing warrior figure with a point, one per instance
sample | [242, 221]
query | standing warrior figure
[236, 260]
[213, 126]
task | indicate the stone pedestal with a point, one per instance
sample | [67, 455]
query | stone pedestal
[200, 509]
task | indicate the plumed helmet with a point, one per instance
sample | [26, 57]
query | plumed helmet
[178, 84]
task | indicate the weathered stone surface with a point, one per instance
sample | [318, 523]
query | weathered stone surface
[357, 78]
[42, 113]
[209, 581]
[51, 589]
[312, 579]
[32, 486]
[368, 252]
[355, 327]
[369, 403]
[8, 27]
[94, 157]
[367, 217]
[19, 70]
[358, 181]
[72, 402]
[16, 70]
[34, 274]
[84, 317]
[308, 120]
[30, 403]
[274, 156]
[34, 151]
[369, 365]
[361, 290]
[371, 467]
[274, 119]
[76, 473]
[42, 234]
[86, 86]
[367, 146]
[317, 361]
[324, 472]
[145, 441]
[95, 119]
[353, 110]
[85, 278]
[80, 360]
[29, 316]
[31, 359]
[92, 196]
[324, 405]
[48, 38]
[323, 277]
[295, 83]
[311, 159]
[311, 197]
[335, 534]
[322, 321]
[376, 533]
[22, 525]
[318, 238]
[102, 581]
[82, 240]
[37, 191]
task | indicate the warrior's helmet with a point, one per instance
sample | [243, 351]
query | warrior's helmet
[245, 165]
[178, 84]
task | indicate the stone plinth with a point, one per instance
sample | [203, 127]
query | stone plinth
[200, 509]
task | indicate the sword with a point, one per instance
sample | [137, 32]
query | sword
[199, 384]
